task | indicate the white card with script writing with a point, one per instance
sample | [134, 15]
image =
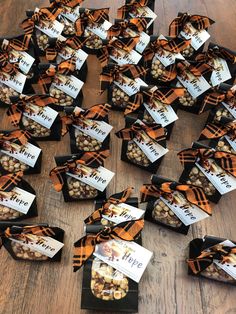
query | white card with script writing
[100, 29]
[198, 38]
[17, 81]
[71, 85]
[221, 74]
[161, 113]
[118, 213]
[196, 86]
[45, 116]
[130, 86]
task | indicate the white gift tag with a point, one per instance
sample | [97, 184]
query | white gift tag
[129, 258]
[44, 245]
[79, 55]
[50, 28]
[70, 85]
[231, 142]
[196, 86]
[123, 212]
[144, 40]
[45, 116]
[28, 154]
[130, 86]
[231, 108]
[71, 14]
[198, 38]
[222, 73]
[222, 181]
[122, 57]
[17, 82]
[20, 200]
[229, 267]
[100, 29]
[188, 213]
[98, 178]
[161, 113]
[145, 12]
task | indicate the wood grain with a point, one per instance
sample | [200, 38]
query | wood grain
[29, 288]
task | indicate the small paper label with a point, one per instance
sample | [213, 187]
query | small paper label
[80, 55]
[127, 257]
[70, 85]
[221, 74]
[123, 212]
[122, 57]
[161, 113]
[230, 264]
[71, 14]
[231, 107]
[17, 82]
[100, 29]
[232, 142]
[129, 86]
[196, 85]
[144, 40]
[19, 200]
[188, 213]
[28, 154]
[98, 178]
[52, 29]
[43, 115]
[222, 181]
[198, 38]
[44, 245]
[145, 12]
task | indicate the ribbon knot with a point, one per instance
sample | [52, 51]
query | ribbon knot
[8, 183]
[13, 140]
[215, 53]
[131, 7]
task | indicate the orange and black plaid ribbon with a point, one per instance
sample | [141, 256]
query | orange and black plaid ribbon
[194, 195]
[25, 233]
[74, 42]
[195, 68]
[137, 25]
[199, 22]
[46, 79]
[6, 66]
[44, 14]
[88, 16]
[9, 182]
[114, 199]
[11, 140]
[219, 252]
[90, 159]
[15, 111]
[214, 53]
[226, 161]
[113, 46]
[154, 131]
[217, 130]
[85, 247]
[67, 3]
[21, 43]
[131, 7]
[97, 112]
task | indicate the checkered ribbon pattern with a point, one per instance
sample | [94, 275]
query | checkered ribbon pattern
[26, 104]
[199, 22]
[195, 68]
[21, 43]
[216, 52]
[153, 130]
[131, 7]
[223, 254]
[74, 42]
[97, 112]
[46, 79]
[88, 16]
[85, 247]
[217, 130]
[67, 3]
[113, 46]
[8, 182]
[226, 161]
[194, 195]
[44, 14]
[25, 233]
[114, 199]
[10, 141]
[6, 66]
[137, 25]
[91, 159]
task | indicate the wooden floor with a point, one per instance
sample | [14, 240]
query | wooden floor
[28, 288]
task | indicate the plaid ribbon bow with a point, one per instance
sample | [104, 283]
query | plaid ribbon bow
[226, 161]
[153, 131]
[97, 112]
[131, 7]
[114, 199]
[12, 140]
[21, 43]
[88, 17]
[84, 248]
[213, 130]
[199, 22]
[74, 43]
[6, 66]
[219, 252]
[114, 46]
[186, 69]
[137, 25]
[67, 3]
[26, 233]
[8, 183]
[64, 68]
[44, 14]
[29, 104]
[79, 166]
[194, 195]
[214, 53]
